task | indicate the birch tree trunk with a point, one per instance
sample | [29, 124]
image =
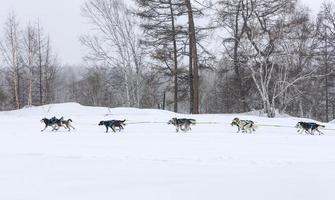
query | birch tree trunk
[30, 48]
[40, 67]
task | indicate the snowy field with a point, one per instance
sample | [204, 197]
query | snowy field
[150, 161]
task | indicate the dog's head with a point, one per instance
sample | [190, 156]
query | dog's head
[298, 125]
[172, 121]
[101, 123]
[235, 121]
[43, 120]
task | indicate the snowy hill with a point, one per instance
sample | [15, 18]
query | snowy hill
[150, 161]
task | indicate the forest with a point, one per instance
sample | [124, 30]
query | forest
[187, 56]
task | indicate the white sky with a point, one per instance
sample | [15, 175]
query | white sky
[61, 19]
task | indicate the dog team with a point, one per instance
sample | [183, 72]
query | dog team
[183, 124]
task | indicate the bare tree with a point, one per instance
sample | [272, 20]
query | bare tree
[230, 18]
[264, 22]
[326, 50]
[10, 50]
[115, 42]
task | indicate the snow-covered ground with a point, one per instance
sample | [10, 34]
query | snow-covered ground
[150, 161]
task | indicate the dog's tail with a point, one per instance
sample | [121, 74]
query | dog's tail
[193, 121]
[322, 126]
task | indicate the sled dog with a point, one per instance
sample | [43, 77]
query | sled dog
[244, 125]
[309, 127]
[183, 124]
[113, 124]
[67, 124]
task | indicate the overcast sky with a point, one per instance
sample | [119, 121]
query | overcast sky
[61, 19]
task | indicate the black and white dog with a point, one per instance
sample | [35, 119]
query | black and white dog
[113, 124]
[57, 123]
[309, 127]
[244, 125]
[183, 124]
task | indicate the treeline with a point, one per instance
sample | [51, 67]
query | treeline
[223, 56]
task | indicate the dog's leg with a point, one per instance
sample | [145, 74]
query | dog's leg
[72, 126]
[309, 132]
[106, 128]
[177, 128]
[54, 128]
[44, 128]
[243, 129]
[181, 127]
[185, 128]
[320, 132]
[250, 128]
[64, 126]
[189, 127]
[67, 127]
[317, 131]
[113, 129]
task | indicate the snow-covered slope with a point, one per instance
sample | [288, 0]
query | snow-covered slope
[150, 161]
